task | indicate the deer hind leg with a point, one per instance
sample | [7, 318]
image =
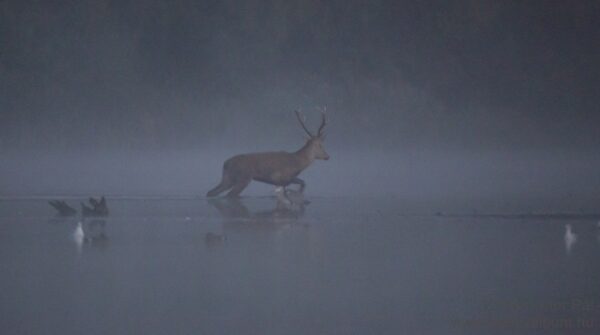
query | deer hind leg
[238, 187]
[223, 186]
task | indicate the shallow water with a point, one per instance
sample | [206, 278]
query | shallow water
[340, 266]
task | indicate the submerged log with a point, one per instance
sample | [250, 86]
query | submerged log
[96, 208]
[62, 208]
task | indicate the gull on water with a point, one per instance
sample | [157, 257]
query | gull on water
[570, 237]
[79, 235]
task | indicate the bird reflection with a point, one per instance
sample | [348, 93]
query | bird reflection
[60, 220]
[90, 232]
[212, 240]
[570, 238]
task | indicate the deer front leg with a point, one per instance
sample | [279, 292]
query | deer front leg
[282, 198]
[300, 182]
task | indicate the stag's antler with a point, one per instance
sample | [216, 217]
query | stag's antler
[301, 120]
[323, 122]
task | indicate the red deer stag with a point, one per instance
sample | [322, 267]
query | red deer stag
[276, 168]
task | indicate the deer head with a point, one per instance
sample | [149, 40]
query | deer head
[314, 143]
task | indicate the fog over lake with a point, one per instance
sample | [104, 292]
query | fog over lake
[461, 194]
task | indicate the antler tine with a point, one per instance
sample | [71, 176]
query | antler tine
[302, 123]
[323, 122]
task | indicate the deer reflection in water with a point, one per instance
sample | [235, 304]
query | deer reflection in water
[289, 207]
[281, 230]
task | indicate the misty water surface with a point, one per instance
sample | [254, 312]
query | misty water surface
[342, 265]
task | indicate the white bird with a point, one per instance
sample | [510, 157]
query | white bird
[570, 238]
[78, 234]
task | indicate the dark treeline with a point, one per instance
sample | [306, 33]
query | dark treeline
[165, 74]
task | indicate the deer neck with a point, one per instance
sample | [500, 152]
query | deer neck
[305, 156]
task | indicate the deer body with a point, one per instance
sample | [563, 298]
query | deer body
[275, 168]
